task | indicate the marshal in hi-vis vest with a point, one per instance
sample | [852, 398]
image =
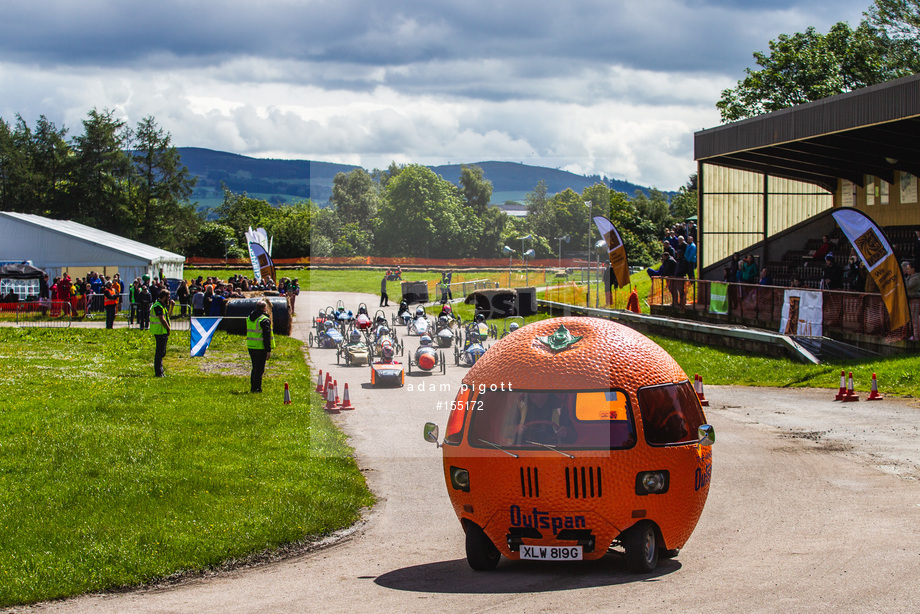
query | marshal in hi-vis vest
[254, 339]
[156, 327]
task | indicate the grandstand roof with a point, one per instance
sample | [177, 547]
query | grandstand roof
[61, 242]
[871, 131]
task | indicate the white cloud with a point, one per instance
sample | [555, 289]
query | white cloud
[612, 87]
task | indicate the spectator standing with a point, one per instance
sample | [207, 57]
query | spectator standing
[609, 282]
[160, 329]
[384, 299]
[666, 269]
[765, 278]
[677, 285]
[734, 266]
[217, 304]
[260, 342]
[912, 281]
[183, 295]
[110, 302]
[197, 302]
[132, 300]
[690, 255]
[144, 299]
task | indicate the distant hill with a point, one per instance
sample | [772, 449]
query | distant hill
[280, 181]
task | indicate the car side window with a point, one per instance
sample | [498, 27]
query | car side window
[671, 413]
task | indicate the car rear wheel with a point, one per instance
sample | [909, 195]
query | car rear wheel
[641, 544]
[481, 553]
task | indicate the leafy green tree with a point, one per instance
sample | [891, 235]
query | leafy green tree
[212, 238]
[162, 188]
[101, 186]
[476, 190]
[420, 215]
[808, 66]
[684, 203]
[51, 166]
[15, 172]
[240, 212]
[290, 229]
[356, 198]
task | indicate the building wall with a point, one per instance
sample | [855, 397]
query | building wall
[886, 204]
[733, 215]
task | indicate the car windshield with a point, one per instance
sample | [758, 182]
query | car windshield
[564, 419]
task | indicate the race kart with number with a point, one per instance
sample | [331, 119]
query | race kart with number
[385, 371]
[355, 352]
[328, 337]
[428, 359]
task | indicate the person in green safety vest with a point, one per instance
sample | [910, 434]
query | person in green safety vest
[159, 326]
[260, 341]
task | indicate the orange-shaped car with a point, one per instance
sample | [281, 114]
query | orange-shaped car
[574, 437]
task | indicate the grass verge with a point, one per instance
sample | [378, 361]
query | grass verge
[110, 477]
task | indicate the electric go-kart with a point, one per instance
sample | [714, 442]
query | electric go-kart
[419, 324]
[512, 323]
[355, 352]
[384, 334]
[472, 350]
[386, 371]
[427, 358]
[344, 318]
[362, 320]
[328, 337]
[403, 314]
[327, 314]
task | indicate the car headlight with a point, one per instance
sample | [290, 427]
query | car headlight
[652, 482]
[460, 479]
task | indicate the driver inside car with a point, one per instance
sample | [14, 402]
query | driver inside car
[539, 420]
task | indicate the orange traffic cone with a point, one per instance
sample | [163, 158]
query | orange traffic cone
[346, 401]
[287, 394]
[874, 395]
[330, 401]
[702, 395]
[327, 384]
[843, 387]
[319, 381]
[851, 394]
[335, 387]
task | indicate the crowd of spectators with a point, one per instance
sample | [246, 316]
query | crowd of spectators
[831, 265]
[201, 296]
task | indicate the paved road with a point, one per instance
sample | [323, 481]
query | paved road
[814, 507]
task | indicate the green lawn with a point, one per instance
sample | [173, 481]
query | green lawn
[111, 477]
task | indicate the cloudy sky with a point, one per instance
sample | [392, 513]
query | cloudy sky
[614, 87]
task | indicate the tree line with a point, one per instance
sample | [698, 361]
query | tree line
[127, 181]
[131, 182]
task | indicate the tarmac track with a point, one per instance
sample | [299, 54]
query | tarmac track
[814, 507]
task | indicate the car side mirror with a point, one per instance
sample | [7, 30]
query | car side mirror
[431, 433]
[707, 435]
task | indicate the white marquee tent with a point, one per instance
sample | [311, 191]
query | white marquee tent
[60, 246]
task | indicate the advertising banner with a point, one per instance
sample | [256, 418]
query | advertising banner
[803, 313]
[875, 251]
[615, 249]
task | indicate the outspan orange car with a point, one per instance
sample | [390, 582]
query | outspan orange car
[573, 437]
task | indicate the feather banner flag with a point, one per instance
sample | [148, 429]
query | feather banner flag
[875, 251]
[615, 249]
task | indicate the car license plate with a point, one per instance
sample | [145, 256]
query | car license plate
[551, 553]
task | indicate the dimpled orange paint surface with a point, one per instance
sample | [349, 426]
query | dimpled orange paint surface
[608, 355]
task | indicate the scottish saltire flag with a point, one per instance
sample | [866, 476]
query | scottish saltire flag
[202, 330]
